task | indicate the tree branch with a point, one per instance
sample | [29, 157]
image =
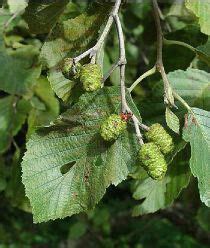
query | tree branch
[143, 76]
[124, 106]
[168, 94]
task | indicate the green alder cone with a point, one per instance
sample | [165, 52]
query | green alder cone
[160, 137]
[67, 69]
[152, 160]
[91, 77]
[112, 127]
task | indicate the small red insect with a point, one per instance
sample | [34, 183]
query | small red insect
[126, 116]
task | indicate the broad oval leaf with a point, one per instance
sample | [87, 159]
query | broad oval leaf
[197, 132]
[19, 70]
[67, 167]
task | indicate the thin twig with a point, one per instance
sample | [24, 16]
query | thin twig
[113, 67]
[93, 50]
[12, 18]
[168, 96]
[179, 43]
[125, 107]
[143, 76]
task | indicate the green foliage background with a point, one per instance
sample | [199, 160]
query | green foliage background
[33, 92]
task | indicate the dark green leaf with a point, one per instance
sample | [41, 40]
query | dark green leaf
[42, 15]
[18, 71]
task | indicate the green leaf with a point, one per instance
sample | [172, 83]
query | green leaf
[172, 120]
[201, 9]
[18, 71]
[70, 164]
[61, 85]
[197, 132]
[67, 38]
[17, 6]
[12, 115]
[45, 107]
[160, 194]
[41, 16]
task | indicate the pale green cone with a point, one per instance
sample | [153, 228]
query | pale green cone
[91, 77]
[112, 127]
[160, 137]
[152, 160]
[67, 69]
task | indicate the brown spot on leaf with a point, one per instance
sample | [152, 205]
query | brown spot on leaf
[86, 176]
[74, 195]
[194, 120]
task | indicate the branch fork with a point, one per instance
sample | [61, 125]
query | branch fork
[121, 62]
